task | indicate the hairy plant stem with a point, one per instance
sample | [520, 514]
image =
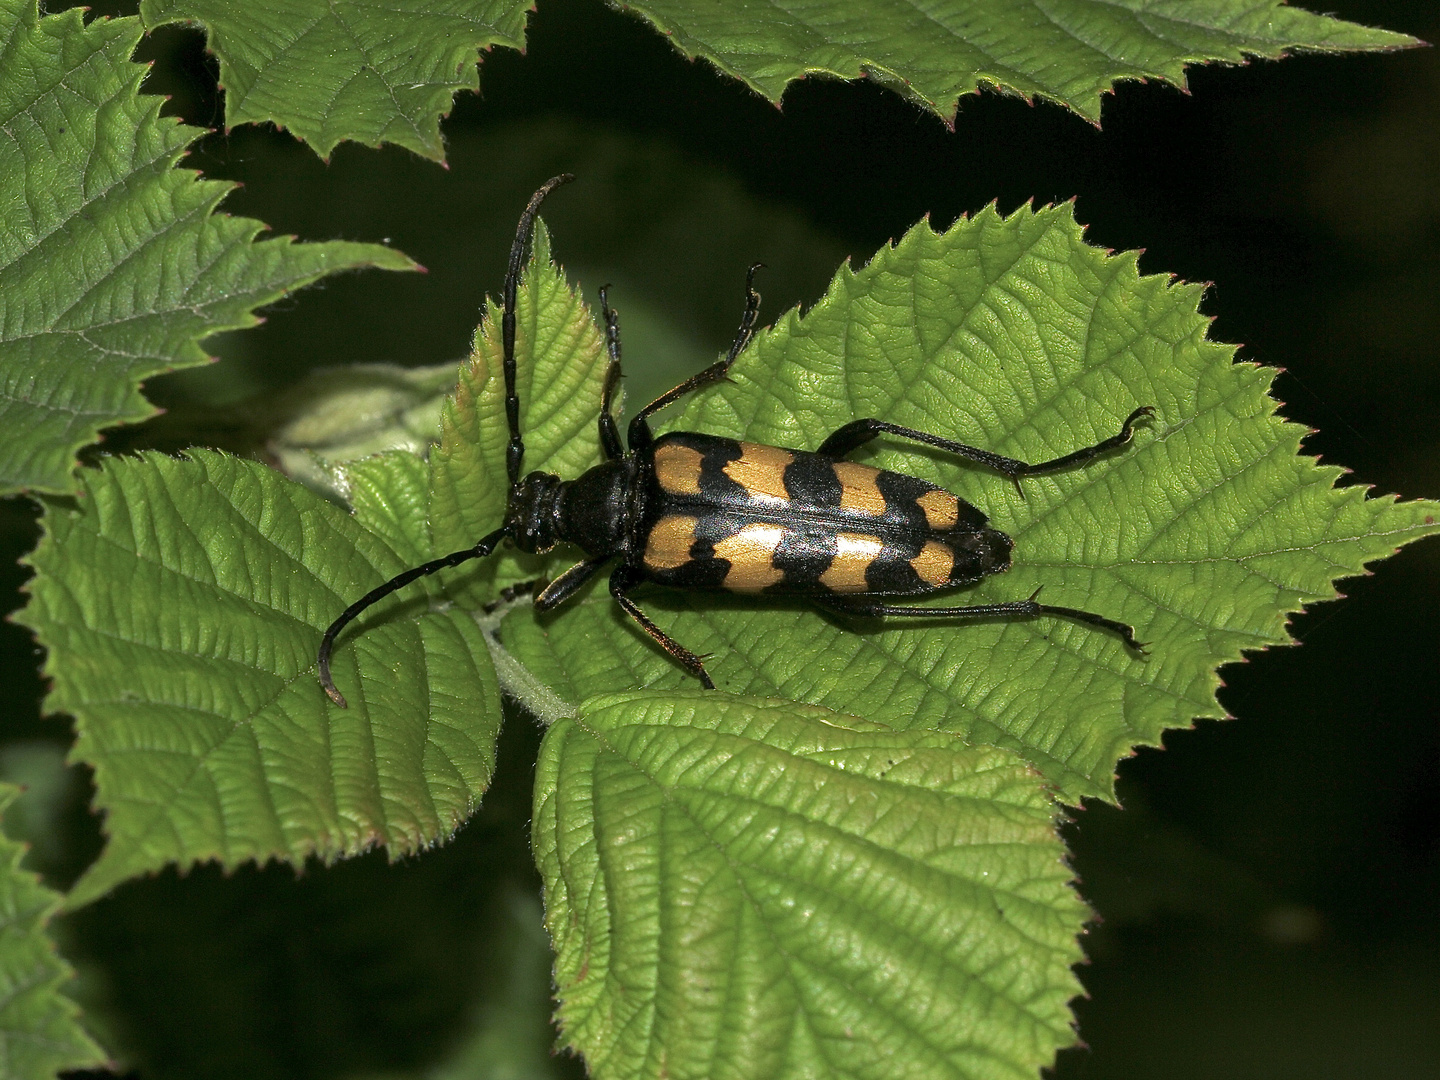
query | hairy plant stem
[516, 680]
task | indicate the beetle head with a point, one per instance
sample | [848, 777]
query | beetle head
[532, 516]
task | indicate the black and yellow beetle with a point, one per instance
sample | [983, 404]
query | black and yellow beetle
[694, 511]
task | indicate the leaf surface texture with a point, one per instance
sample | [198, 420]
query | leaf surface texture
[743, 888]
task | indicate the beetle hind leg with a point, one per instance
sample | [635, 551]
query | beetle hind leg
[859, 432]
[1024, 609]
[622, 580]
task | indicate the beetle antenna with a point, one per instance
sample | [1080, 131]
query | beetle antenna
[519, 255]
[327, 643]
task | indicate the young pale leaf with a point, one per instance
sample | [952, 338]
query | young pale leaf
[112, 262]
[39, 1031]
[331, 70]
[1068, 51]
[1014, 335]
[346, 70]
[748, 888]
[182, 604]
[341, 414]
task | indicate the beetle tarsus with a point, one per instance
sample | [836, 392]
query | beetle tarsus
[1124, 631]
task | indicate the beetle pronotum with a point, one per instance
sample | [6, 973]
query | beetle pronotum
[695, 511]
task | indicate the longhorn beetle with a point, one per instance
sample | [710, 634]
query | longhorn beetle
[696, 511]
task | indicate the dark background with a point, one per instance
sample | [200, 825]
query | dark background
[1268, 896]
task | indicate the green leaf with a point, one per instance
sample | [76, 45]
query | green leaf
[340, 69]
[112, 262]
[1067, 51]
[738, 887]
[182, 604]
[1014, 335]
[39, 1030]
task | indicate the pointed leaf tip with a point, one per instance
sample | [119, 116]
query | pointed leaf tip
[124, 266]
[40, 1029]
[194, 688]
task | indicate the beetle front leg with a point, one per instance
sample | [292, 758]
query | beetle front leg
[568, 583]
[858, 432]
[625, 578]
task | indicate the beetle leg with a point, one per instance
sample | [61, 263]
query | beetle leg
[858, 432]
[748, 317]
[1013, 608]
[568, 583]
[622, 581]
[609, 433]
[1075, 457]
[640, 425]
[510, 593]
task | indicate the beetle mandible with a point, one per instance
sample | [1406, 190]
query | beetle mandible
[695, 511]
